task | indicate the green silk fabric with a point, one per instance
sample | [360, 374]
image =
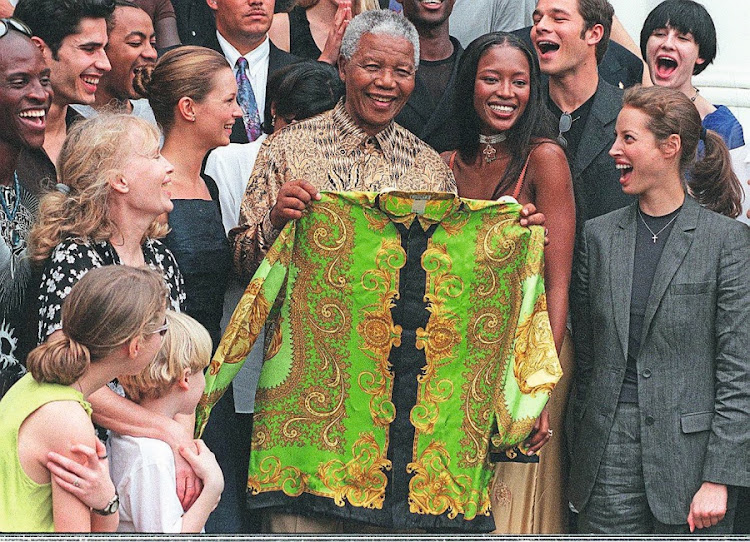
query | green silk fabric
[326, 291]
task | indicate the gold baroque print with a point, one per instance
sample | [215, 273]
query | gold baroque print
[535, 366]
[361, 481]
[377, 331]
[495, 304]
[313, 410]
[433, 490]
[439, 338]
[273, 477]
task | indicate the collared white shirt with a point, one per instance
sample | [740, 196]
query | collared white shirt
[257, 67]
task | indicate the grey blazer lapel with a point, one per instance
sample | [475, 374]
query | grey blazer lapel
[677, 246]
[621, 273]
[596, 137]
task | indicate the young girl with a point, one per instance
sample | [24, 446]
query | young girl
[143, 469]
[113, 319]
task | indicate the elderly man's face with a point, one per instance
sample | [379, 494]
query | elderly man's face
[379, 79]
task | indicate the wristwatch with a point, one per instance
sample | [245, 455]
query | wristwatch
[111, 508]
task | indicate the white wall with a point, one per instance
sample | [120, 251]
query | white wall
[727, 80]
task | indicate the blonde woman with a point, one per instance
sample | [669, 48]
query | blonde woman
[313, 28]
[193, 94]
[113, 187]
[114, 321]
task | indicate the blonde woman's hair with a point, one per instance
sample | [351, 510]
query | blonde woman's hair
[358, 6]
[108, 307]
[187, 345]
[188, 71]
[94, 153]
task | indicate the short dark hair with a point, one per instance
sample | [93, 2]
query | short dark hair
[120, 4]
[685, 16]
[54, 20]
[597, 12]
[535, 122]
[303, 90]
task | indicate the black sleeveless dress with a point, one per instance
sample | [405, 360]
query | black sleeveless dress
[201, 248]
[301, 42]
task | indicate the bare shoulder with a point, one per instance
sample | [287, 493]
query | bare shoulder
[547, 152]
[71, 422]
[279, 31]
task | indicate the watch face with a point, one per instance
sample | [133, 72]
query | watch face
[114, 504]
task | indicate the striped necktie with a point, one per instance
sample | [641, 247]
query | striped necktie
[246, 99]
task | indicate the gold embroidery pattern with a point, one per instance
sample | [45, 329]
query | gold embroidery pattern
[534, 368]
[433, 490]
[489, 341]
[361, 480]
[378, 332]
[272, 477]
[313, 409]
[438, 339]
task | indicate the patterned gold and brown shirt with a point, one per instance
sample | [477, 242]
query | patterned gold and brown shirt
[332, 153]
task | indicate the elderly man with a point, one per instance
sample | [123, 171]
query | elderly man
[356, 146]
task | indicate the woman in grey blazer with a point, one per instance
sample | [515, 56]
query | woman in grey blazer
[660, 416]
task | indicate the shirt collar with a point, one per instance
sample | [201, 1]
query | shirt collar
[254, 57]
[352, 136]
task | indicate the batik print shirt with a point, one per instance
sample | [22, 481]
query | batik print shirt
[18, 285]
[332, 153]
[406, 334]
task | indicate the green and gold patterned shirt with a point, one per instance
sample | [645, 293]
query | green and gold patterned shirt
[332, 153]
[407, 334]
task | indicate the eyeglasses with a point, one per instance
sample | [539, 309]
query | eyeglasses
[15, 24]
[161, 330]
[563, 127]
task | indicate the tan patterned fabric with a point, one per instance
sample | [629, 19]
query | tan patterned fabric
[332, 153]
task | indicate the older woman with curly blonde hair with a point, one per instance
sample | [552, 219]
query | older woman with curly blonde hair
[113, 187]
[313, 28]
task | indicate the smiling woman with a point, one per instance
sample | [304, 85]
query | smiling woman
[507, 149]
[193, 93]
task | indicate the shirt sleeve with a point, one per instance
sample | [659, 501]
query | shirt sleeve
[68, 263]
[163, 10]
[254, 235]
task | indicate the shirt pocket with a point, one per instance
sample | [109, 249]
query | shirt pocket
[690, 288]
[696, 422]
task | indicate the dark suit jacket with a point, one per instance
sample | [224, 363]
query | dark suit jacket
[693, 365]
[619, 67]
[196, 26]
[432, 123]
[596, 181]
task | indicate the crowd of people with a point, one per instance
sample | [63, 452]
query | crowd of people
[360, 268]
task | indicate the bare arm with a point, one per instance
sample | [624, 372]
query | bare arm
[279, 31]
[128, 418]
[72, 428]
[6, 10]
[621, 36]
[549, 178]
[204, 463]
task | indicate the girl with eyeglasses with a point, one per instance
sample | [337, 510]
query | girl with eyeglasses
[507, 147]
[111, 323]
